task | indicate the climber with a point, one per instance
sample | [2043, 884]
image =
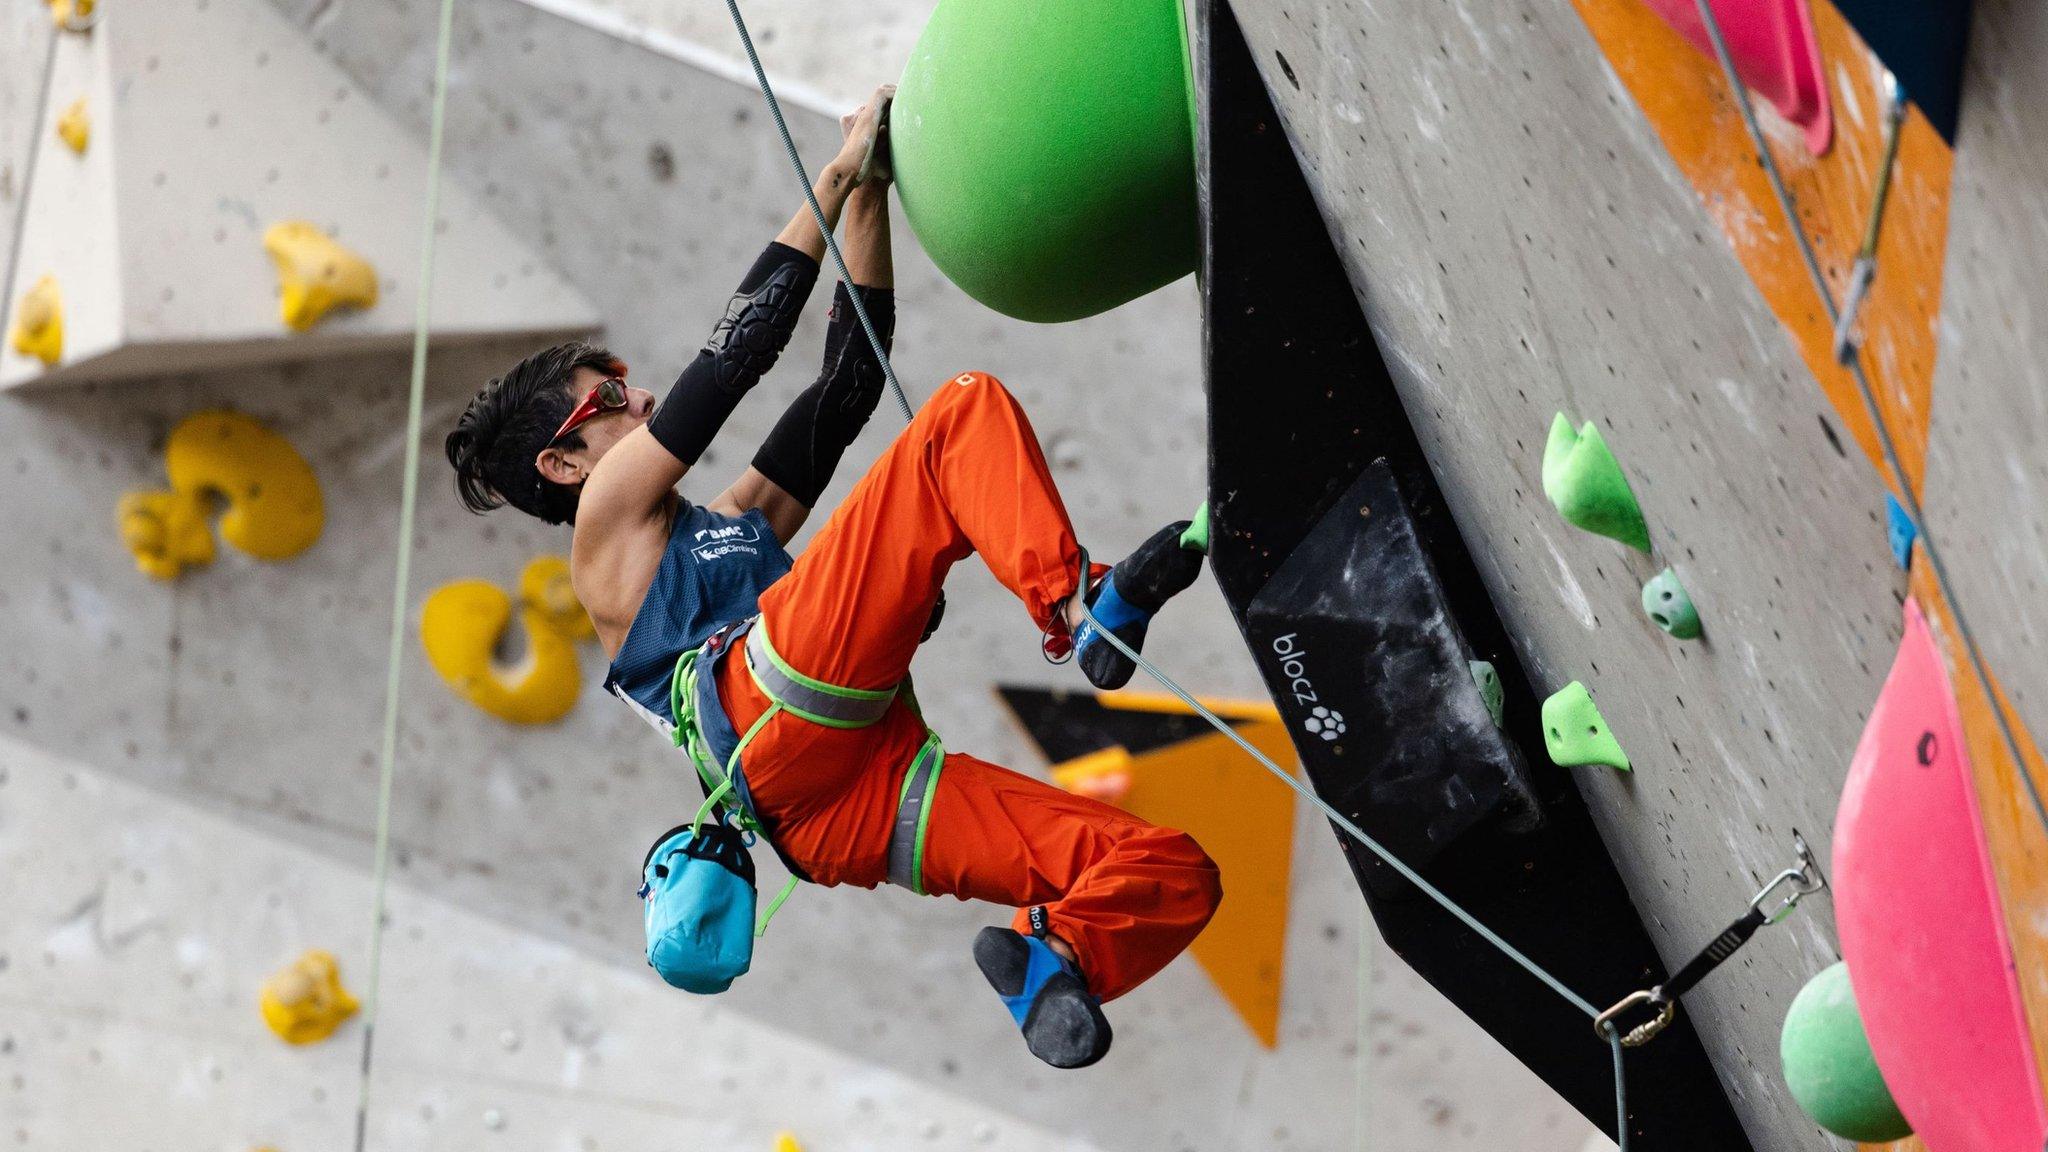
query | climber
[1104, 899]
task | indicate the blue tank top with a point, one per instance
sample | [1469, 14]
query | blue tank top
[713, 573]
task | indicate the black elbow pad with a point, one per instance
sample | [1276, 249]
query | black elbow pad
[760, 317]
[804, 449]
[756, 327]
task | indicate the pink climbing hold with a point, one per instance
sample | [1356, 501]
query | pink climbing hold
[1920, 922]
[1776, 53]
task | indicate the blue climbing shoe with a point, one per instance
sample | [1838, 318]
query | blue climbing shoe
[1063, 1024]
[1126, 600]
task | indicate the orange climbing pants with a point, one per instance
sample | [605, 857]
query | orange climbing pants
[966, 476]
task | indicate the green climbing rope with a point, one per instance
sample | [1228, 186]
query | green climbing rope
[408, 505]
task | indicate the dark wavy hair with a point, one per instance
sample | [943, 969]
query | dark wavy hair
[508, 423]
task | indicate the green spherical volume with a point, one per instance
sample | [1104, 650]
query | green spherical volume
[1044, 154]
[1828, 1065]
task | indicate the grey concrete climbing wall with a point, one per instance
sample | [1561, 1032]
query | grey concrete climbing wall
[253, 691]
[1987, 475]
[1522, 244]
[133, 925]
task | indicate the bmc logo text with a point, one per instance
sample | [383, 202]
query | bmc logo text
[716, 543]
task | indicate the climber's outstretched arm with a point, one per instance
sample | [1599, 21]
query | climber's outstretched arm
[860, 139]
[797, 460]
[634, 481]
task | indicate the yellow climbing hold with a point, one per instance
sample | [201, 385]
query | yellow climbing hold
[462, 623]
[167, 531]
[74, 127]
[39, 322]
[786, 1142]
[304, 1001]
[544, 586]
[315, 274]
[73, 15]
[274, 507]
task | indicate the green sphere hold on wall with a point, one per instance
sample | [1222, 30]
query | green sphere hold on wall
[1828, 1065]
[1044, 151]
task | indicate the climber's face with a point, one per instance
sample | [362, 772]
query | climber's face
[606, 410]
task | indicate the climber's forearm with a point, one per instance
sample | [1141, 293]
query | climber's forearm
[833, 186]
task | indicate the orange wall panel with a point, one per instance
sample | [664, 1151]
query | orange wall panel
[1687, 102]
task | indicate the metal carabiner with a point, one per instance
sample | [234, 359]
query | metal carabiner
[1804, 880]
[1641, 1034]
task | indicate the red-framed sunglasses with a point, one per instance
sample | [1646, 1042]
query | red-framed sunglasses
[608, 396]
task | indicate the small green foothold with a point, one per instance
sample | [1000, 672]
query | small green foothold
[1575, 732]
[1665, 600]
[1583, 480]
[1488, 681]
[1828, 1065]
[1196, 537]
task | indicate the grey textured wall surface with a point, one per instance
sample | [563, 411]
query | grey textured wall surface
[255, 689]
[127, 1010]
[1522, 244]
[1987, 473]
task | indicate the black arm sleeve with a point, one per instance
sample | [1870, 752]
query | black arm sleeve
[757, 325]
[804, 449]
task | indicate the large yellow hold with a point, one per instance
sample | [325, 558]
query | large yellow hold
[462, 622]
[316, 274]
[305, 1002]
[274, 507]
[39, 322]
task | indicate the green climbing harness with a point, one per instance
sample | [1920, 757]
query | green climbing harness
[694, 702]
[814, 700]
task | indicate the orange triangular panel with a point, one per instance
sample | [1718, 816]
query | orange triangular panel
[1208, 788]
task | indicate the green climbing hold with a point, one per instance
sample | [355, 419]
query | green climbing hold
[1828, 1065]
[1196, 537]
[1584, 481]
[1488, 682]
[1044, 152]
[1576, 734]
[1665, 599]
